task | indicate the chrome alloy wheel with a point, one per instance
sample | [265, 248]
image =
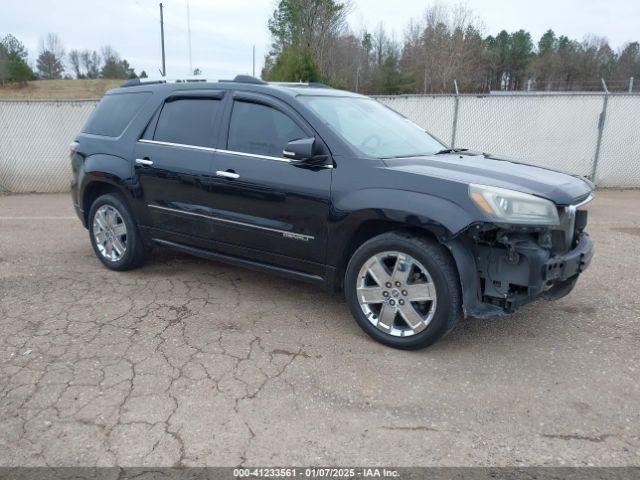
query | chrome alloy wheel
[110, 233]
[396, 293]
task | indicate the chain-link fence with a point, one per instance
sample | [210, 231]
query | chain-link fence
[594, 135]
[34, 143]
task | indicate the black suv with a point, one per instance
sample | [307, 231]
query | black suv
[329, 187]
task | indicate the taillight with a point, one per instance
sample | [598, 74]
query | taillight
[73, 148]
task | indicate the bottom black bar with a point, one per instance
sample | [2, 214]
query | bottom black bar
[231, 473]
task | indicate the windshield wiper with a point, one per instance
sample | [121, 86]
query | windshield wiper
[451, 150]
[406, 156]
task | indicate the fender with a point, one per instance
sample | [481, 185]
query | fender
[446, 221]
[472, 305]
[441, 217]
[109, 169]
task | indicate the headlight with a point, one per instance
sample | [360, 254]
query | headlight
[510, 206]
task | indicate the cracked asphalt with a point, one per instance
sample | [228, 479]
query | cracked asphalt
[189, 362]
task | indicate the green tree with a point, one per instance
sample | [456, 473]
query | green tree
[629, 62]
[50, 62]
[388, 77]
[294, 66]
[19, 70]
[49, 66]
[520, 57]
[304, 27]
[4, 65]
[114, 66]
[15, 61]
[548, 43]
[14, 47]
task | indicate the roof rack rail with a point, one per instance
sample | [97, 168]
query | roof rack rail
[137, 81]
[131, 82]
[246, 79]
[238, 79]
[301, 84]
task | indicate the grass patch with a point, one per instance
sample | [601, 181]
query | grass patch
[59, 89]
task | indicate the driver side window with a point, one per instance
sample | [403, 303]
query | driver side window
[261, 130]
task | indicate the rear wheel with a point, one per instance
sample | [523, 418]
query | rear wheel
[403, 290]
[114, 234]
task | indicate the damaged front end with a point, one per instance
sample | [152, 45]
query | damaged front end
[503, 267]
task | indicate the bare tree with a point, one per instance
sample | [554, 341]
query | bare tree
[52, 43]
[380, 43]
[75, 61]
[91, 62]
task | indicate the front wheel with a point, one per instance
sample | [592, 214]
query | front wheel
[403, 290]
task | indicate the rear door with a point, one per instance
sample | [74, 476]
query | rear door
[173, 162]
[276, 212]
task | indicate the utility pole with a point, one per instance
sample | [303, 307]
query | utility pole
[189, 33]
[630, 84]
[254, 60]
[164, 67]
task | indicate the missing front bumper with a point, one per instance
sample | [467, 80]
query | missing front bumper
[499, 278]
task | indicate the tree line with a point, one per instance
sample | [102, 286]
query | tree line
[311, 41]
[53, 62]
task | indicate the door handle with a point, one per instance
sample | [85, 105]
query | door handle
[226, 174]
[144, 161]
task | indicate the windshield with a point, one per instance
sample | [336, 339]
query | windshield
[373, 128]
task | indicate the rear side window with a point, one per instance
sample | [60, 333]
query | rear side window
[114, 112]
[188, 121]
[260, 129]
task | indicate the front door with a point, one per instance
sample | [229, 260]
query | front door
[274, 211]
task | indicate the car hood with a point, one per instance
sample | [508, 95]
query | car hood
[482, 169]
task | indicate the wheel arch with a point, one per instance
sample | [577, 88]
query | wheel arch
[102, 174]
[93, 189]
[371, 228]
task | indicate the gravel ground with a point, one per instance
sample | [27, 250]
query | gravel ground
[188, 362]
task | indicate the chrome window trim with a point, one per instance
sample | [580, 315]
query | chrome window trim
[180, 145]
[214, 150]
[285, 233]
[221, 150]
[253, 155]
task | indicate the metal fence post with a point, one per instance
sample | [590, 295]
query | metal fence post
[454, 129]
[601, 122]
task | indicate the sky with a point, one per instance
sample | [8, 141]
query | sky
[223, 32]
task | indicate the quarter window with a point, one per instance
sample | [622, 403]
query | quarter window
[188, 121]
[114, 112]
[260, 129]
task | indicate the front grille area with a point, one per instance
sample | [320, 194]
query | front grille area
[572, 221]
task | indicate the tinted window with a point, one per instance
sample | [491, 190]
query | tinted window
[188, 121]
[114, 112]
[260, 129]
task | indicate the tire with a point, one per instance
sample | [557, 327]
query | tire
[111, 209]
[431, 300]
